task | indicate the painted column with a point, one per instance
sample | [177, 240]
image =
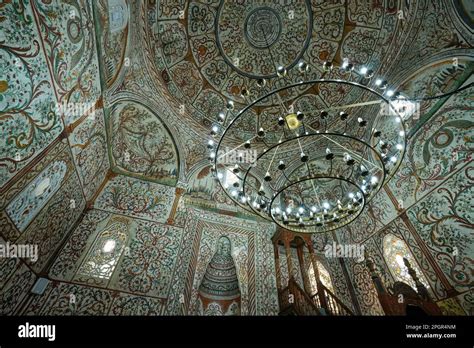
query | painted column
[179, 191]
[277, 266]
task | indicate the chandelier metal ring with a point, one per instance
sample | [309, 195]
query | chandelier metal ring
[244, 180]
[367, 149]
[334, 226]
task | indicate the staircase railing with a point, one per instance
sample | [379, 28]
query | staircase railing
[333, 305]
[294, 300]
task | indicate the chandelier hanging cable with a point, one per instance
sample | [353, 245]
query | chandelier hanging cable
[315, 168]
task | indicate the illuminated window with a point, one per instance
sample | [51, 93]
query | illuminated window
[105, 252]
[323, 275]
[394, 250]
[401, 107]
[405, 108]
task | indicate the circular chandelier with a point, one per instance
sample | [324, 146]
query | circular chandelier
[309, 168]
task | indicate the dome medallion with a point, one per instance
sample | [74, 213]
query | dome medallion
[245, 30]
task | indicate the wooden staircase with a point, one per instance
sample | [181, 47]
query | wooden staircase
[332, 305]
[295, 301]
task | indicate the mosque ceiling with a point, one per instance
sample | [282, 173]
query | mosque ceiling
[182, 61]
[167, 68]
[157, 73]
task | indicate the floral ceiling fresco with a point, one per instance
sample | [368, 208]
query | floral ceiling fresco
[201, 63]
[426, 204]
[25, 206]
[27, 102]
[112, 29]
[106, 106]
[136, 198]
[141, 146]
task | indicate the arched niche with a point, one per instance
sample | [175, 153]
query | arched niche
[394, 250]
[141, 145]
[219, 291]
[113, 29]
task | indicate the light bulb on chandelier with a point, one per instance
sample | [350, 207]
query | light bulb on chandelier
[315, 169]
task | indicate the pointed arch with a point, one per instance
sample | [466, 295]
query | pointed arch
[394, 250]
[104, 253]
[324, 276]
[141, 145]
